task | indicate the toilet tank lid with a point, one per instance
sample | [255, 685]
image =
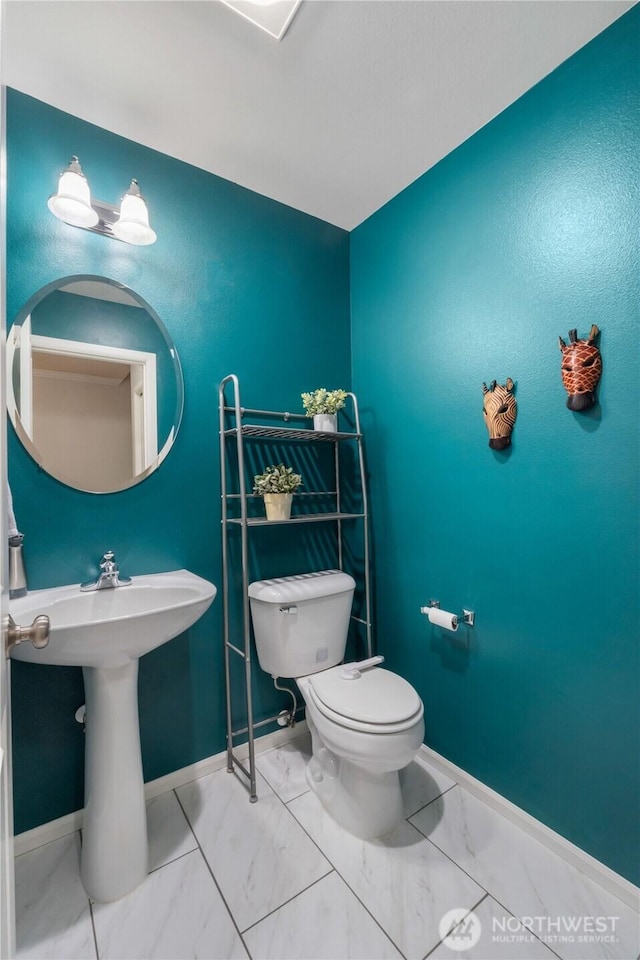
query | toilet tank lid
[305, 586]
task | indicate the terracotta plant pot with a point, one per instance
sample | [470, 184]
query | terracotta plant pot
[278, 505]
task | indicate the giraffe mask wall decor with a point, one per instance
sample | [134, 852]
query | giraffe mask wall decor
[499, 409]
[581, 369]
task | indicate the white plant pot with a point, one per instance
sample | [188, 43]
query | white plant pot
[278, 505]
[326, 422]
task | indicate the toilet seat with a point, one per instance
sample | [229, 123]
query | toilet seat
[378, 701]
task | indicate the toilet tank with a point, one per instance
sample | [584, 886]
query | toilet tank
[300, 623]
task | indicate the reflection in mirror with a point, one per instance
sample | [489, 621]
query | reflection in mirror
[94, 383]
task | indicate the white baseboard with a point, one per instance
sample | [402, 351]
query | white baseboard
[211, 764]
[584, 862]
[47, 832]
[588, 865]
[55, 829]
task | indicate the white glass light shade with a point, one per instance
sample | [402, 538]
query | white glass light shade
[133, 223]
[72, 202]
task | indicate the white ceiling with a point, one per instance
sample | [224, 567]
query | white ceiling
[358, 99]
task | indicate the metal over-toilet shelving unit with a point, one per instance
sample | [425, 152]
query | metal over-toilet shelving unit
[238, 517]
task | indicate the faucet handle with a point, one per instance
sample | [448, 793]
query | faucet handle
[109, 577]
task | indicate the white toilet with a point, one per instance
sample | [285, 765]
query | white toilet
[365, 724]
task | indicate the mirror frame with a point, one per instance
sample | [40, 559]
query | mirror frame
[20, 432]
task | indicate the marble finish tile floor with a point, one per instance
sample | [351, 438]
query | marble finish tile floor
[279, 880]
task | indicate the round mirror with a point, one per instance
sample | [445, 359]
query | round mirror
[94, 385]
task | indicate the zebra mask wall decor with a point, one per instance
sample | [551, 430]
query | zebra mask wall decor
[499, 410]
[581, 369]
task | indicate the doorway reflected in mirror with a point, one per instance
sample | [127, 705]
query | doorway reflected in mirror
[94, 384]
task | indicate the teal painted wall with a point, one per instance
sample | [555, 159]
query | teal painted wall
[242, 283]
[528, 229]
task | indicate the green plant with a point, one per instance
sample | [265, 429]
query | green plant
[323, 401]
[279, 479]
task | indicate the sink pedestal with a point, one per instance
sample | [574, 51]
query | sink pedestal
[106, 632]
[115, 852]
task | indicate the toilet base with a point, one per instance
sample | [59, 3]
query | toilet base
[367, 803]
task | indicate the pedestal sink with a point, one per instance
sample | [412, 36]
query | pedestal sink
[106, 632]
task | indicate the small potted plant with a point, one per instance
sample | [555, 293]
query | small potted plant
[323, 406]
[276, 485]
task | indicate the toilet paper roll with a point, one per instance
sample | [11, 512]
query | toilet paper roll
[441, 618]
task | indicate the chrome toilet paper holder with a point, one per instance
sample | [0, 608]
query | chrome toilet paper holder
[467, 616]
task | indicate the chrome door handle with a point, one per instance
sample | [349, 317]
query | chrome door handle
[37, 633]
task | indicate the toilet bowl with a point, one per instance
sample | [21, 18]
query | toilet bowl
[366, 725]
[359, 748]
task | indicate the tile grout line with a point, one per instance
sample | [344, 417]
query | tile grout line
[433, 800]
[291, 799]
[324, 856]
[482, 887]
[90, 901]
[93, 927]
[155, 870]
[406, 819]
[333, 866]
[291, 899]
[168, 863]
[241, 932]
[526, 833]
[471, 909]
[525, 927]
[338, 873]
[489, 893]
[444, 852]
[217, 885]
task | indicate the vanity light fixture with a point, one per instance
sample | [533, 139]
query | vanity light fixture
[132, 225]
[72, 203]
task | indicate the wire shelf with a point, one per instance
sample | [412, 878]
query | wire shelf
[301, 518]
[290, 433]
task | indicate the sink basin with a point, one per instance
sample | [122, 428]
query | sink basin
[106, 632]
[108, 628]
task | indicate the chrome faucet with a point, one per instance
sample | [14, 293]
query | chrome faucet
[109, 575]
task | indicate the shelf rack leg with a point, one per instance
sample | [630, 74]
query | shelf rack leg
[365, 526]
[237, 409]
[225, 575]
